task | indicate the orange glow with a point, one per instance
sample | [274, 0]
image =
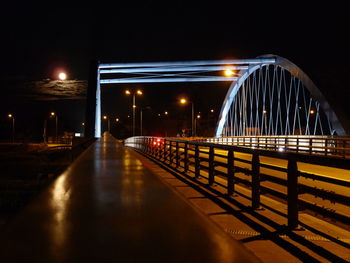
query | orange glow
[127, 92]
[52, 114]
[228, 72]
[105, 117]
[183, 101]
[312, 112]
[139, 92]
[9, 115]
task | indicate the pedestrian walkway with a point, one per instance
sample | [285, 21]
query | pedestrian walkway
[108, 207]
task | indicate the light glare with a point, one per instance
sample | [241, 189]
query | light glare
[229, 72]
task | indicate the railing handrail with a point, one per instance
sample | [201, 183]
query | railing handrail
[333, 161]
[188, 156]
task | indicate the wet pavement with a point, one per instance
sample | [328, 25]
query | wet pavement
[108, 207]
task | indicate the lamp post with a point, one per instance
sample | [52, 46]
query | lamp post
[141, 117]
[184, 101]
[137, 92]
[195, 124]
[10, 116]
[54, 114]
[105, 117]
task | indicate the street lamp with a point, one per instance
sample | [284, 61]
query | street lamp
[10, 116]
[134, 93]
[105, 117]
[184, 101]
[53, 114]
[195, 124]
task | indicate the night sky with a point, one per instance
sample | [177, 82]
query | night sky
[39, 40]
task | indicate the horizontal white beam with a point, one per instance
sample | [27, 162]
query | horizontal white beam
[191, 63]
[159, 80]
[172, 69]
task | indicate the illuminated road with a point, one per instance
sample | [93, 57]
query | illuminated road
[108, 207]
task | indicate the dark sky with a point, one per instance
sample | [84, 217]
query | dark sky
[39, 39]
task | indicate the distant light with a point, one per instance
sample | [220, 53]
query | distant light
[264, 111]
[229, 72]
[280, 149]
[183, 101]
[77, 134]
[52, 113]
[166, 113]
[134, 106]
[127, 92]
[212, 110]
[139, 92]
[104, 117]
[128, 116]
[9, 115]
[312, 112]
[159, 114]
[117, 119]
[83, 123]
[198, 116]
[62, 76]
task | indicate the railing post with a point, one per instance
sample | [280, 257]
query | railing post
[164, 151]
[170, 153]
[292, 188]
[177, 155]
[310, 146]
[230, 173]
[196, 162]
[186, 157]
[297, 144]
[211, 166]
[255, 181]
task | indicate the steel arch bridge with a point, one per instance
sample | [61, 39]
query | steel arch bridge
[269, 95]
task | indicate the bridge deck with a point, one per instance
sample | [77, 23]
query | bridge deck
[108, 206]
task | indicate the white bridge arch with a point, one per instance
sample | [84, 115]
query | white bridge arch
[251, 88]
[204, 71]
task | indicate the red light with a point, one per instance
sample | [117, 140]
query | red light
[154, 143]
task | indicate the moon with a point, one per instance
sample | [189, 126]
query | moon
[62, 76]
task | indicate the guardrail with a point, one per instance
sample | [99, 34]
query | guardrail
[319, 145]
[298, 186]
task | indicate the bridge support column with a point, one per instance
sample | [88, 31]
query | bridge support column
[93, 103]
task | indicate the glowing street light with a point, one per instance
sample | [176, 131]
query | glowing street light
[184, 101]
[166, 113]
[62, 76]
[137, 92]
[105, 117]
[117, 119]
[212, 110]
[312, 112]
[10, 116]
[54, 115]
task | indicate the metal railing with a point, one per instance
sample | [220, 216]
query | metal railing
[319, 145]
[260, 170]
